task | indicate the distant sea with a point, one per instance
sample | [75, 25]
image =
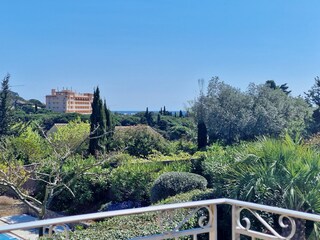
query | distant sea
[134, 112]
[127, 112]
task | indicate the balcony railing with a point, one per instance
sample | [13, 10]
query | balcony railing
[245, 217]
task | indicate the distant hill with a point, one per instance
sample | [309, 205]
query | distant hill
[17, 100]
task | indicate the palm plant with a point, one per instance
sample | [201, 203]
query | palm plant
[283, 173]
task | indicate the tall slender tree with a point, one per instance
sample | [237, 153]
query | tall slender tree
[164, 110]
[148, 117]
[201, 126]
[97, 125]
[202, 135]
[158, 118]
[109, 126]
[5, 108]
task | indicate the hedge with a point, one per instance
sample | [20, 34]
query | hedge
[172, 183]
[127, 227]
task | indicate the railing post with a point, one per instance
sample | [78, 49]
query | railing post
[213, 234]
[234, 216]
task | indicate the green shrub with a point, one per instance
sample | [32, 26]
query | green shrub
[127, 227]
[140, 141]
[172, 183]
[184, 146]
[118, 160]
[215, 164]
[177, 166]
[88, 193]
[133, 181]
[194, 195]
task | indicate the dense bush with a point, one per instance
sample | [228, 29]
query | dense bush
[118, 160]
[139, 140]
[172, 183]
[214, 166]
[127, 227]
[175, 128]
[126, 120]
[88, 193]
[183, 146]
[133, 182]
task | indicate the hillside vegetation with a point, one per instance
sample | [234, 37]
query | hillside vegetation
[259, 145]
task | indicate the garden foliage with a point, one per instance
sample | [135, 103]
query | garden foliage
[140, 141]
[133, 181]
[127, 227]
[172, 183]
[231, 115]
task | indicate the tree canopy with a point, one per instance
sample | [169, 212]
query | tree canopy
[231, 115]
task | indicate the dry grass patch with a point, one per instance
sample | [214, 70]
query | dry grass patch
[4, 200]
[10, 206]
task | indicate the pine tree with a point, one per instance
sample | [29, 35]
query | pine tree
[97, 125]
[271, 84]
[313, 95]
[5, 108]
[284, 88]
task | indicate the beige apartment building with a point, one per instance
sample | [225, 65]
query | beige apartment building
[67, 101]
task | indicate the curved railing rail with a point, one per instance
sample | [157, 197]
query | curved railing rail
[243, 215]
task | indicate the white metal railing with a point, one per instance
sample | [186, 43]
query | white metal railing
[243, 213]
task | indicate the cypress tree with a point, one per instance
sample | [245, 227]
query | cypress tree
[164, 110]
[144, 117]
[5, 108]
[148, 117]
[97, 125]
[158, 119]
[202, 135]
[109, 126]
[180, 114]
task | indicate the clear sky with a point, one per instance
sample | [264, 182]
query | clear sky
[150, 53]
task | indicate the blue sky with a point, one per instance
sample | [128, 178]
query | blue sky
[148, 53]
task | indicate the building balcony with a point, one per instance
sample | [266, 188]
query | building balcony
[255, 221]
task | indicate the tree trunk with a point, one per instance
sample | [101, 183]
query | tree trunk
[41, 232]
